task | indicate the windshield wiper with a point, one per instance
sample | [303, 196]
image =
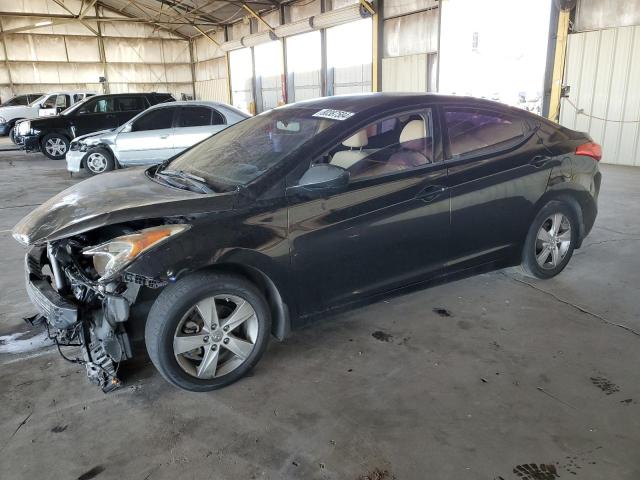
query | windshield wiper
[191, 179]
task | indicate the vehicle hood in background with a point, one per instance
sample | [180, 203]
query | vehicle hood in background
[109, 199]
[97, 136]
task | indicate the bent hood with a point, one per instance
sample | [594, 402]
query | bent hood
[87, 137]
[112, 198]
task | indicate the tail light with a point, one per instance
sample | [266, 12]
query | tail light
[590, 149]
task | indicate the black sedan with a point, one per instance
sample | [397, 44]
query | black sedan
[302, 210]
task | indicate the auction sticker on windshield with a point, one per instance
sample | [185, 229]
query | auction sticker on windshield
[333, 114]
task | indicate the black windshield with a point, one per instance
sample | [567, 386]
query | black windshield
[244, 151]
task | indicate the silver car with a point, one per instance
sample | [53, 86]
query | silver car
[158, 133]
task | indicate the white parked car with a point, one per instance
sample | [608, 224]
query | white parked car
[45, 105]
[151, 137]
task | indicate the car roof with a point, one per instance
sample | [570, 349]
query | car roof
[357, 103]
[202, 103]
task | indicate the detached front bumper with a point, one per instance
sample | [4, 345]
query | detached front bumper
[74, 160]
[59, 312]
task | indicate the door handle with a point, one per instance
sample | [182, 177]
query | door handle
[539, 161]
[164, 136]
[431, 192]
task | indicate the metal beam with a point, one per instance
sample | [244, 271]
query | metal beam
[150, 22]
[257, 16]
[79, 17]
[6, 60]
[558, 64]
[103, 56]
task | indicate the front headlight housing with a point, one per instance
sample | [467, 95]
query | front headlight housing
[24, 127]
[109, 258]
[2, 120]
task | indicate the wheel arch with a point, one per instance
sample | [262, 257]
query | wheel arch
[280, 316]
[570, 197]
[106, 147]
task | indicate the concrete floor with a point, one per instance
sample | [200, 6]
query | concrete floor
[513, 379]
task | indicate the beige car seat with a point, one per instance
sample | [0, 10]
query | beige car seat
[347, 158]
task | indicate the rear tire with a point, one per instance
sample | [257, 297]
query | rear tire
[99, 160]
[199, 351]
[55, 146]
[550, 241]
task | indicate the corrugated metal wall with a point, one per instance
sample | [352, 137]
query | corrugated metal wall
[603, 72]
[67, 56]
[210, 68]
[410, 45]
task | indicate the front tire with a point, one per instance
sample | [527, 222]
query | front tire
[12, 135]
[550, 241]
[98, 161]
[55, 146]
[207, 330]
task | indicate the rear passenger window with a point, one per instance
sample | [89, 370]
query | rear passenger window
[157, 119]
[472, 130]
[128, 104]
[195, 116]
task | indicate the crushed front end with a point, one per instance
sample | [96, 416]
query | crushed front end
[80, 311]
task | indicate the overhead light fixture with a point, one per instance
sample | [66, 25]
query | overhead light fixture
[258, 38]
[340, 16]
[294, 28]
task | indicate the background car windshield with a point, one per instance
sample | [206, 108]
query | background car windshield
[246, 150]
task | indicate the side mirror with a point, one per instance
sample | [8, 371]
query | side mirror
[126, 128]
[320, 181]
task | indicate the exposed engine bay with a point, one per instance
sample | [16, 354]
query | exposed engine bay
[79, 309]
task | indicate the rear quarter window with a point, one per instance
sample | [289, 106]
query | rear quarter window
[473, 131]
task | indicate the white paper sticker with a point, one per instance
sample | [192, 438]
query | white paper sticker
[333, 114]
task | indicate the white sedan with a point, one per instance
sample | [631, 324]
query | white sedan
[153, 136]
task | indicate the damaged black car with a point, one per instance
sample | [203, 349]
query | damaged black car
[300, 211]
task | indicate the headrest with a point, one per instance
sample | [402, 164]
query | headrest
[414, 130]
[358, 140]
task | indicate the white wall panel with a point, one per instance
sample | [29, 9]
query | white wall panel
[83, 49]
[410, 34]
[216, 90]
[178, 73]
[175, 51]
[303, 9]
[272, 18]
[405, 74]
[38, 6]
[136, 73]
[395, 8]
[211, 69]
[36, 47]
[205, 49]
[71, 28]
[54, 73]
[603, 72]
[134, 29]
[127, 50]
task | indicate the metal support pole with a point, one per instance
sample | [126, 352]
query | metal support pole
[103, 57]
[376, 54]
[228, 65]
[558, 64]
[193, 68]
[6, 60]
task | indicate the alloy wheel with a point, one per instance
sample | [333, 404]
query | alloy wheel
[215, 336]
[96, 162]
[55, 147]
[553, 241]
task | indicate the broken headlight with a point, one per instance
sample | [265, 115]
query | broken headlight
[109, 258]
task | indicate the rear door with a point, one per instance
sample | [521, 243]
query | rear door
[150, 140]
[127, 107]
[497, 170]
[195, 123]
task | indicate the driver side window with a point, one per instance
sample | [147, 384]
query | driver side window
[388, 146]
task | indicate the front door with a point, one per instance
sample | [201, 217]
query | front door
[389, 229]
[497, 170]
[150, 139]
